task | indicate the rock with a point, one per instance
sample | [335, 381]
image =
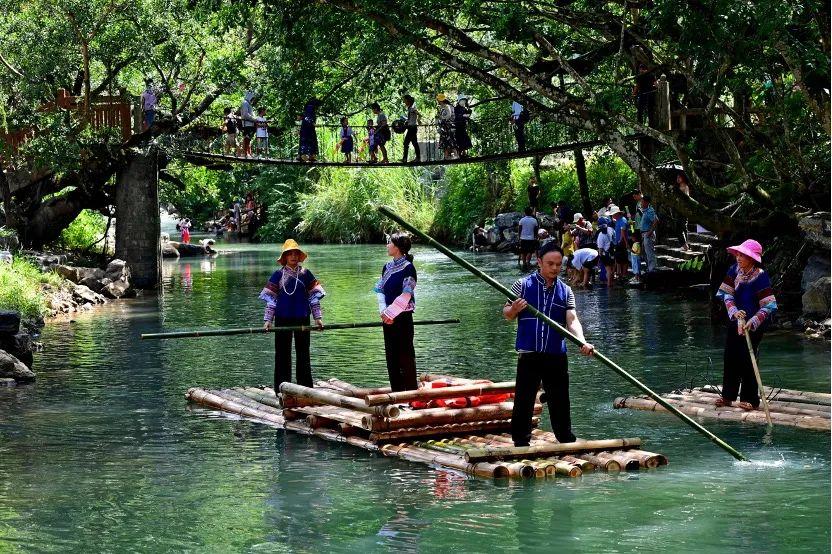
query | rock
[190, 250]
[117, 270]
[507, 220]
[68, 272]
[14, 368]
[20, 345]
[45, 261]
[117, 281]
[816, 299]
[511, 236]
[816, 229]
[92, 283]
[546, 221]
[169, 250]
[816, 267]
[9, 241]
[115, 289]
[85, 294]
[492, 235]
[9, 322]
[7, 382]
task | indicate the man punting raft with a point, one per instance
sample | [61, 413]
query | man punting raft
[292, 294]
[542, 350]
[396, 303]
[746, 291]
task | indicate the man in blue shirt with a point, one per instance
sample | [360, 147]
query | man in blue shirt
[649, 220]
[620, 241]
[542, 350]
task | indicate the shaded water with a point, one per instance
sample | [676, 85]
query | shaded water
[104, 454]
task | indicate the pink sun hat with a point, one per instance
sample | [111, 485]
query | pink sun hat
[750, 248]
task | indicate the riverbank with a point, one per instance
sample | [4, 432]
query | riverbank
[36, 287]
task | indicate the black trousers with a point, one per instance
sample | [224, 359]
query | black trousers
[283, 353]
[520, 135]
[410, 138]
[553, 371]
[737, 371]
[644, 106]
[400, 354]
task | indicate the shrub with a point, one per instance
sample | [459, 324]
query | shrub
[85, 230]
[22, 288]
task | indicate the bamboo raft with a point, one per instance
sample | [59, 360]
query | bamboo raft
[792, 408]
[472, 439]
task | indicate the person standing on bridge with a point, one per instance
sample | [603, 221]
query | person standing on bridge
[396, 302]
[308, 136]
[292, 294]
[248, 122]
[382, 133]
[445, 119]
[519, 118]
[411, 129]
[541, 351]
[462, 113]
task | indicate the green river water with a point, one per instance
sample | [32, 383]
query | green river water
[103, 454]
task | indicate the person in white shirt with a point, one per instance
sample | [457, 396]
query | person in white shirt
[528, 237]
[518, 119]
[604, 243]
[149, 101]
[262, 125]
[584, 261]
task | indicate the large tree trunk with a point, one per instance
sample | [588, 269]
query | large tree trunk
[583, 185]
[137, 218]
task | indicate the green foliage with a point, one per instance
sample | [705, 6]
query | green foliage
[87, 229]
[465, 202]
[341, 205]
[22, 288]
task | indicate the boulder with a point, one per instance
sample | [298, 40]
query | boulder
[547, 221]
[117, 281]
[20, 345]
[510, 235]
[9, 241]
[92, 283]
[816, 299]
[117, 270]
[14, 368]
[816, 229]
[9, 322]
[68, 272]
[508, 220]
[492, 235]
[190, 250]
[169, 250]
[816, 268]
[85, 294]
[115, 289]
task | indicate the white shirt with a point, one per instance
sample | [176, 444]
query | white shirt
[516, 109]
[527, 228]
[582, 256]
[262, 128]
[604, 240]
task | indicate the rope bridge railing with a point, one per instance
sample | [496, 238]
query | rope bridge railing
[437, 143]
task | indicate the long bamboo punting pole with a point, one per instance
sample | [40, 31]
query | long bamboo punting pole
[442, 416]
[444, 392]
[309, 394]
[352, 390]
[259, 330]
[759, 379]
[515, 452]
[563, 331]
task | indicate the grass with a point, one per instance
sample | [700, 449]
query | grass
[22, 288]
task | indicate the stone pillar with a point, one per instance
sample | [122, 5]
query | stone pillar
[137, 219]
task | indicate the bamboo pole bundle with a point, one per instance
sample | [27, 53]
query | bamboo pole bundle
[342, 415]
[628, 463]
[539, 471]
[432, 445]
[442, 416]
[521, 470]
[416, 454]
[250, 402]
[261, 396]
[291, 390]
[542, 468]
[299, 426]
[795, 408]
[427, 377]
[219, 402]
[585, 465]
[788, 395]
[567, 469]
[727, 413]
[352, 390]
[610, 466]
[550, 449]
[440, 430]
[444, 392]
[649, 459]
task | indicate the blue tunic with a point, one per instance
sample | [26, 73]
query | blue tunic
[533, 335]
[292, 294]
[398, 276]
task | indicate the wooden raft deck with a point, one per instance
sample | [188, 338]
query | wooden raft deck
[472, 440]
[793, 408]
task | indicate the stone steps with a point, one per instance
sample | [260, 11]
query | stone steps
[664, 249]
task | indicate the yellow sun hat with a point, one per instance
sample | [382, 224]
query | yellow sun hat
[288, 246]
[441, 97]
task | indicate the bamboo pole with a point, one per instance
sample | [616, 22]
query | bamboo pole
[441, 430]
[776, 406]
[564, 332]
[309, 394]
[759, 379]
[444, 392]
[610, 466]
[790, 395]
[442, 416]
[549, 449]
[428, 377]
[628, 463]
[585, 465]
[205, 398]
[261, 330]
[353, 390]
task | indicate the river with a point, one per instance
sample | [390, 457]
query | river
[104, 454]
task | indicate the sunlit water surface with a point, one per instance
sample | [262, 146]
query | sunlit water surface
[104, 454]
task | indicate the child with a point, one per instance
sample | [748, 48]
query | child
[229, 126]
[370, 141]
[262, 125]
[635, 257]
[346, 143]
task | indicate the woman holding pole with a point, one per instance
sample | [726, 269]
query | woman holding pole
[746, 291]
[541, 350]
[291, 295]
[396, 302]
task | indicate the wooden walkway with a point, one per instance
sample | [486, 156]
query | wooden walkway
[792, 408]
[472, 440]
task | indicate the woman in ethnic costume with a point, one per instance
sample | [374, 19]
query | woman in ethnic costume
[750, 302]
[396, 302]
[291, 295]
